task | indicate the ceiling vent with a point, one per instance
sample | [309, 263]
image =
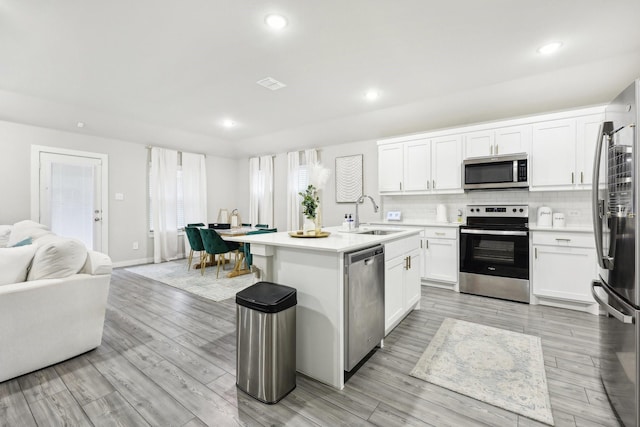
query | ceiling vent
[271, 83]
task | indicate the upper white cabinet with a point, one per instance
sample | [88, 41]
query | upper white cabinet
[562, 153]
[390, 167]
[505, 140]
[421, 166]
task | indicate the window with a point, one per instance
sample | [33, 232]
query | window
[179, 195]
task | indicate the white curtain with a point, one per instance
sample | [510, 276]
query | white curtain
[310, 156]
[293, 199]
[254, 189]
[265, 207]
[194, 190]
[164, 204]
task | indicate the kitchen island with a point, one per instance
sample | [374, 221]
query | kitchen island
[316, 268]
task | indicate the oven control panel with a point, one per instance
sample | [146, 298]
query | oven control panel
[518, 211]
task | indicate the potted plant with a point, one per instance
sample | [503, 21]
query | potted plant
[310, 202]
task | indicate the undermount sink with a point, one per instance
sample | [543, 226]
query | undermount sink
[378, 232]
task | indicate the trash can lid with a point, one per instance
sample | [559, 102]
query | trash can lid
[267, 297]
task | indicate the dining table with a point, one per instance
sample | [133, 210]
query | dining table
[240, 266]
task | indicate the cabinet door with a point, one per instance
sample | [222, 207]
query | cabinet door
[553, 149]
[512, 139]
[446, 158]
[564, 272]
[390, 167]
[393, 290]
[412, 279]
[441, 260]
[587, 128]
[478, 144]
[417, 165]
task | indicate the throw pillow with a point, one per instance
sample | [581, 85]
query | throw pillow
[14, 263]
[27, 228]
[5, 232]
[60, 258]
[24, 242]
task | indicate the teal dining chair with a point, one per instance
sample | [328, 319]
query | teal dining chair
[195, 241]
[196, 224]
[262, 225]
[247, 247]
[216, 245]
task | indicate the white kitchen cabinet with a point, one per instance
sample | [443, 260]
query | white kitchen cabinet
[390, 167]
[440, 255]
[587, 128]
[563, 266]
[421, 166]
[446, 164]
[563, 152]
[505, 140]
[402, 280]
[417, 165]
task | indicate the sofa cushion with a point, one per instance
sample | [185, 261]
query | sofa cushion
[56, 259]
[27, 228]
[14, 263]
[5, 232]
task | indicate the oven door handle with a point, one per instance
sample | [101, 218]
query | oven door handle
[493, 232]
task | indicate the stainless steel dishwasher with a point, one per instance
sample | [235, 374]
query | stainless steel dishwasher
[363, 303]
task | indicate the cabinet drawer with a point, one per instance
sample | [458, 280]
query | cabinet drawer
[441, 232]
[581, 240]
[401, 247]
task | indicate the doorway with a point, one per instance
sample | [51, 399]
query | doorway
[69, 194]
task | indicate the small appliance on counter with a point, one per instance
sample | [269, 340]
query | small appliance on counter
[558, 220]
[441, 213]
[545, 217]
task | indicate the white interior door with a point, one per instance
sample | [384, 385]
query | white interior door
[70, 196]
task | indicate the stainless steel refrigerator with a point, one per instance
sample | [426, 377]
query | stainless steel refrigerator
[615, 210]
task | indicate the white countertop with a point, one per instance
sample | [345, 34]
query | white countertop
[337, 242]
[417, 223]
[567, 229]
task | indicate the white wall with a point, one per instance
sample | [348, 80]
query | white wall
[127, 175]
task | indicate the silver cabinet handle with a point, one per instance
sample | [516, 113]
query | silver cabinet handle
[427, 242]
[562, 240]
[400, 185]
[624, 318]
[496, 148]
[581, 177]
[439, 233]
[572, 177]
[535, 251]
[434, 184]
[491, 150]
[428, 185]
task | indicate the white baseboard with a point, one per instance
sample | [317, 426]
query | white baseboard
[130, 262]
[441, 285]
[587, 307]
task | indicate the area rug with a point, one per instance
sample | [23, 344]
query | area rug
[499, 367]
[175, 273]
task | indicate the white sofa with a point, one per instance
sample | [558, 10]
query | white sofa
[53, 297]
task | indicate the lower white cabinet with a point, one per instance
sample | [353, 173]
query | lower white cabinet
[440, 254]
[401, 280]
[564, 264]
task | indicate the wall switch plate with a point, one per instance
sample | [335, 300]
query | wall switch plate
[135, 245]
[574, 213]
[394, 215]
[119, 196]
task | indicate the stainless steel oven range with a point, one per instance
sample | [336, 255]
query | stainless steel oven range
[494, 252]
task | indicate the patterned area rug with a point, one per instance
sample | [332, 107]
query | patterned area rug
[175, 273]
[503, 368]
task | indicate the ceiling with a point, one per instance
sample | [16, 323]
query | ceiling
[167, 73]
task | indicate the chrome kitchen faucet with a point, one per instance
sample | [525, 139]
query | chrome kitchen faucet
[361, 200]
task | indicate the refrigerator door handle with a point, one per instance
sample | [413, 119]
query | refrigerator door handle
[624, 318]
[605, 262]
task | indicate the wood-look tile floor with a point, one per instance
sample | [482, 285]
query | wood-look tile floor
[168, 359]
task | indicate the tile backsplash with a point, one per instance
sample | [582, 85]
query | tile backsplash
[576, 205]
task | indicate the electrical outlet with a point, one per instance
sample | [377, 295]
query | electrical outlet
[574, 213]
[135, 245]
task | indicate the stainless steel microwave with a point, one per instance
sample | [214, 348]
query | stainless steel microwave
[496, 172]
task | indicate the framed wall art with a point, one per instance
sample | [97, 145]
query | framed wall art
[348, 178]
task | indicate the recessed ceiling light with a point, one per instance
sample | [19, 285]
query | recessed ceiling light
[80, 124]
[228, 123]
[549, 48]
[372, 95]
[277, 22]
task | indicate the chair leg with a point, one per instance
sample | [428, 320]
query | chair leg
[220, 258]
[190, 259]
[203, 263]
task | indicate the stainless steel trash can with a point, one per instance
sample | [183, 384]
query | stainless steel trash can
[266, 341]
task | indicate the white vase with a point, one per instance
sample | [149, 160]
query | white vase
[308, 226]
